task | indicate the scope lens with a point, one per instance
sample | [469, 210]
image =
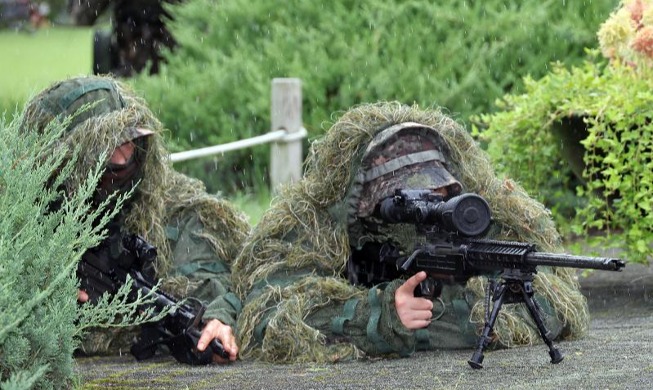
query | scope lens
[468, 214]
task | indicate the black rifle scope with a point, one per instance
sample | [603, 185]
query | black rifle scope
[468, 214]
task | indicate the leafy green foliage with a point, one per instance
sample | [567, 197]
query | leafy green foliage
[614, 103]
[43, 234]
[114, 311]
[519, 139]
[38, 249]
[461, 55]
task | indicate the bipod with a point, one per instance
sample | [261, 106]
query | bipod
[516, 286]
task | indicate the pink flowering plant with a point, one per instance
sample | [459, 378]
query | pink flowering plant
[627, 35]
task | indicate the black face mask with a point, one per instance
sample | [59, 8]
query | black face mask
[121, 178]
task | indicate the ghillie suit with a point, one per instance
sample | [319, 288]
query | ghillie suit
[197, 234]
[292, 273]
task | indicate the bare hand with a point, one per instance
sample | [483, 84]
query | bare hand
[414, 312]
[82, 296]
[215, 329]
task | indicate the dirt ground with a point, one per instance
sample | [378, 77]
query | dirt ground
[616, 354]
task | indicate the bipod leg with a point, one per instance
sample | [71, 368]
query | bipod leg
[498, 296]
[527, 291]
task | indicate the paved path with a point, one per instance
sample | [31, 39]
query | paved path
[617, 354]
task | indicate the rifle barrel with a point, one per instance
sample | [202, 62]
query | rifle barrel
[572, 261]
[510, 254]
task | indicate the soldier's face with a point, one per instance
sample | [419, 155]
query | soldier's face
[122, 154]
[123, 169]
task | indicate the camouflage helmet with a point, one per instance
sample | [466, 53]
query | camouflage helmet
[99, 115]
[80, 99]
[67, 97]
[404, 156]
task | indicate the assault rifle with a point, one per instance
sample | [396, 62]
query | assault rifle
[104, 269]
[452, 252]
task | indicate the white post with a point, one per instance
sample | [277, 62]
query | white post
[286, 155]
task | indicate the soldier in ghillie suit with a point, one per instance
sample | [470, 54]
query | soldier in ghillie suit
[137, 37]
[197, 235]
[304, 272]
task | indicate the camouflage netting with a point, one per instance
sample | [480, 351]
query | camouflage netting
[163, 194]
[303, 231]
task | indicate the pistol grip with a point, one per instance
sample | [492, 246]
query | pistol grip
[429, 288]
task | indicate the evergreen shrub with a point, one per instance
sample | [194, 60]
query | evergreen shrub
[613, 103]
[461, 55]
[40, 245]
[595, 120]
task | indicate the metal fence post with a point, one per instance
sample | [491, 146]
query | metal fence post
[286, 154]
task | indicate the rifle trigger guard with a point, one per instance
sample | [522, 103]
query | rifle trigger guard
[444, 308]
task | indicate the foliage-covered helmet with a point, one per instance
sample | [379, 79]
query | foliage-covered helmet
[80, 102]
[79, 99]
[67, 97]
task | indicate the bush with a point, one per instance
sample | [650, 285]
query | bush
[627, 36]
[613, 104]
[40, 245]
[458, 54]
[38, 251]
[593, 120]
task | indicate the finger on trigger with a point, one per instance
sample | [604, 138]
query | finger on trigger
[414, 280]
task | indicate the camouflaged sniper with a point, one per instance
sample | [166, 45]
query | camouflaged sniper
[292, 272]
[197, 234]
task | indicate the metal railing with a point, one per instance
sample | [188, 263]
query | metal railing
[273, 136]
[286, 135]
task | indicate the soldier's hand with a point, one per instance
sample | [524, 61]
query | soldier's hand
[215, 329]
[82, 296]
[414, 312]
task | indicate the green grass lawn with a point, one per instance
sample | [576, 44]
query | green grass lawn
[253, 205]
[29, 62]
[32, 61]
